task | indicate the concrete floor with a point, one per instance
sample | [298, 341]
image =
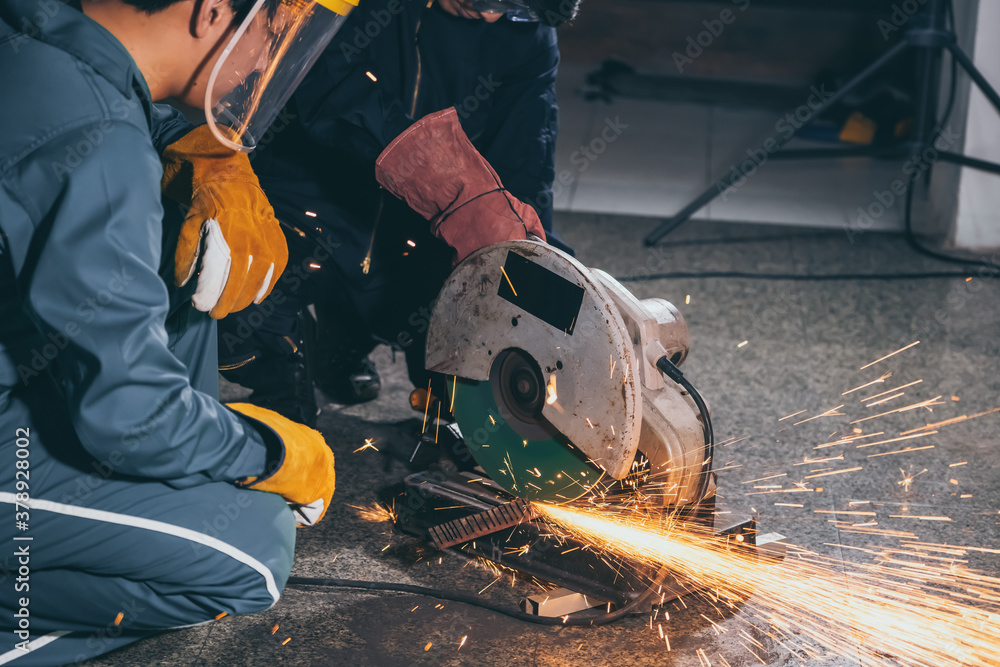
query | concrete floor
[806, 343]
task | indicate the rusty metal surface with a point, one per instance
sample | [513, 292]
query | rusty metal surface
[470, 527]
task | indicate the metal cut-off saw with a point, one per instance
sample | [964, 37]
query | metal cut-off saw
[564, 388]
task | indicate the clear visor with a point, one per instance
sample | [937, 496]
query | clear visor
[267, 57]
[515, 10]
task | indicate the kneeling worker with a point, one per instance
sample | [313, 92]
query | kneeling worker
[136, 501]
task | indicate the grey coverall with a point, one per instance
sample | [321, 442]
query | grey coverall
[110, 426]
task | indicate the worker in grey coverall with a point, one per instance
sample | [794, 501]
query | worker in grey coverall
[131, 500]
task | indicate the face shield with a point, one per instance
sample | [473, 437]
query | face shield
[266, 59]
[514, 10]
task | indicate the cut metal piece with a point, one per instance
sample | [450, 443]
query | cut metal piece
[559, 602]
[485, 523]
[772, 546]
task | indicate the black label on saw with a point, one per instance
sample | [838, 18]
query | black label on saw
[540, 292]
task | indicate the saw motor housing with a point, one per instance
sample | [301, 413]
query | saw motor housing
[672, 435]
[570, 359]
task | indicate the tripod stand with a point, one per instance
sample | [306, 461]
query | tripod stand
[928, 38]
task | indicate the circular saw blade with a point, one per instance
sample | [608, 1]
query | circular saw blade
[545, 469]
[579, 375]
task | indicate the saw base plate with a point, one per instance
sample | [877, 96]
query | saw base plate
[431, 498]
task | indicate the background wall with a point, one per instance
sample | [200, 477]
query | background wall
[774, 41]
[978, 221]
[787, 44]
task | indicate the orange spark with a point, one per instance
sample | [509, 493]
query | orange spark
[929, 403]
[835, 472]
[369, 444]
[832, 412]
[901, 451]
[868, 384]
[508, 281]
[902, 437]
[889, 391]
[891, 354]
[897, 610]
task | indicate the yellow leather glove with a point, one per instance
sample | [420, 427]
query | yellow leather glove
[230, 226]
[304, 476]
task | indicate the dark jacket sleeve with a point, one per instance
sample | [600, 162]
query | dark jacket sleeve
[90, 277]
[523, 124]
[341, 107]
[167, 126]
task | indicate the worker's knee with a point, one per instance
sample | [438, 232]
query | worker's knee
[248, 548]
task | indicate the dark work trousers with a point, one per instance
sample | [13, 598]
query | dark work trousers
[391, 304]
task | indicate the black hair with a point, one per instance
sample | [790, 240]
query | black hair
[240, 7]
[555, 12]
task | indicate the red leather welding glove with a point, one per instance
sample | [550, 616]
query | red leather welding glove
[435, 168]
[230, 235]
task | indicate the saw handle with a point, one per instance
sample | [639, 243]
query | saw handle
[674, 373]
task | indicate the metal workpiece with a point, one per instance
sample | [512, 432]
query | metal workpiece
[482, 521]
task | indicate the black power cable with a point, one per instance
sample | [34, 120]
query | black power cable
[926, 275]
[675, 374]
[589, 618]
[911, 236]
